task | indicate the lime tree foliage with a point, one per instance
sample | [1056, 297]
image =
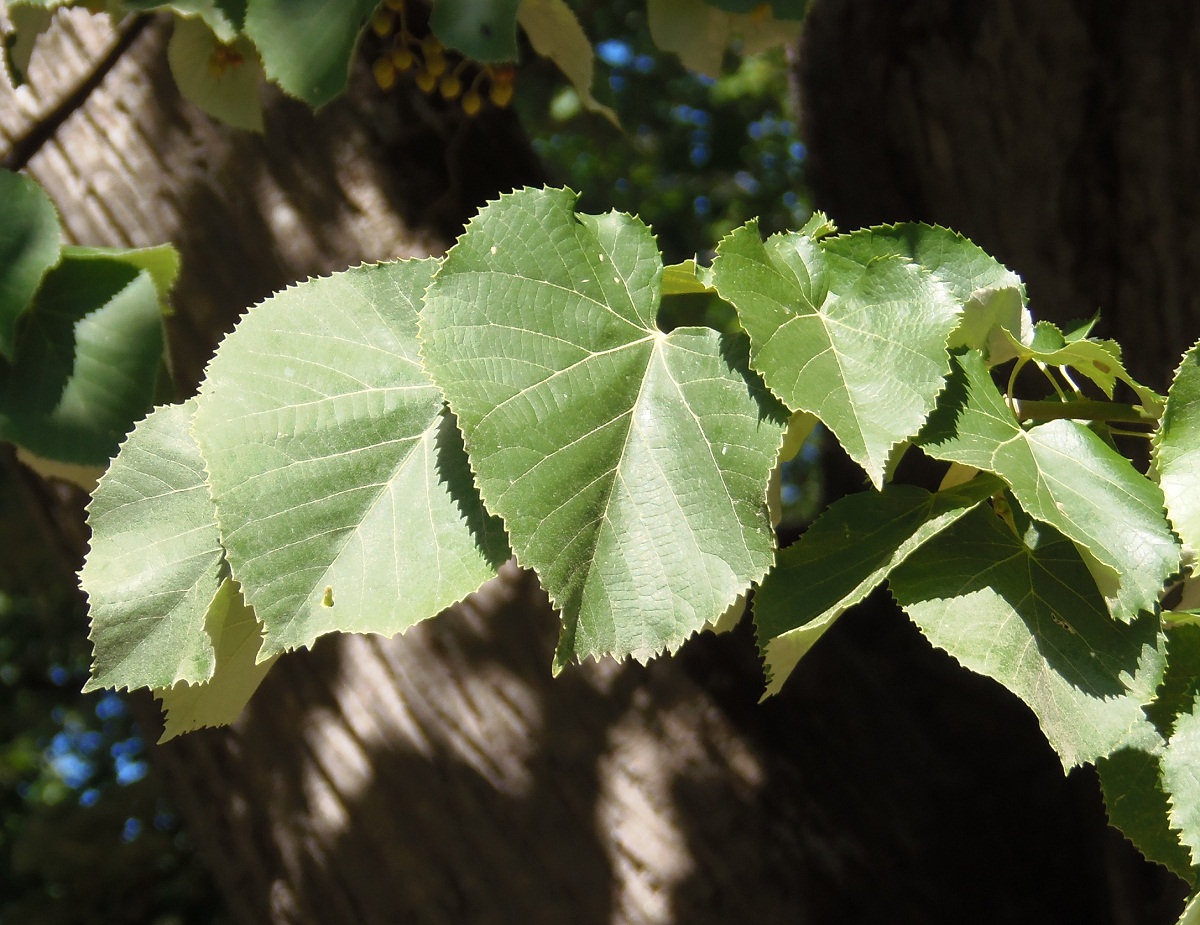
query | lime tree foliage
[81, 337]
[222, 51]
[368, 447]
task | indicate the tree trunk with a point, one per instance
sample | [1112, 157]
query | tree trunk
[445, 776]
[1062, 137]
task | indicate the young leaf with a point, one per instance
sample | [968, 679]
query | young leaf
[342, 492]
[1027, 614]
[842, 558]
[221, 78]
[236, 637]
[89, 355]
[630, 467]
[306, 45]
[701, 33]
[687, 278]
[1066, 476]
[154, 566]
[1177, 450]
[1099, 360]
[555, 33]
[1138, 806]
[856, 339]
[30, 243]
[1181, 777]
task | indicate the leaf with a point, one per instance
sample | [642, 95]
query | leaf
[842, 558]
[856, 339]
[222, 79]
[1177, 450]
[1027, 615]
[236, 637]
[1099, 360]
[306, 45]
[686, 278]
[782, 9]
[1181, 778]
[991, 294]
[1066, 476]
[630, 466]
[89, 355]
[30, 244]
[555, 33]
[160, 261]
[155, 562]
[1138, 806]
[223, 17]
[28, 21]
[700, 33]
[485, 30]
[342, 491]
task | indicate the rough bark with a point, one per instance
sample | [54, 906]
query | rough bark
[444, 776]
[1062, 136]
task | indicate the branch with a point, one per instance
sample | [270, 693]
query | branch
[25, 147]
[1082, 410]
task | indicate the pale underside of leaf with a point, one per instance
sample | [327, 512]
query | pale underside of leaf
[223, 80]
[155, 560]
[342, 490]
[236, 636]
[1177, 450]
[700, 33]
[857, 340]
[1026, 617]
[630, 467]
[555, 33]
[843, 557]
[1181, 777]
[1062, 474]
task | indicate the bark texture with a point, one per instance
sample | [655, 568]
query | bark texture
[445, 776]
[1063, 137]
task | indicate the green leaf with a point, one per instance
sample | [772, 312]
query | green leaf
[30, 244]
[160, 261]
[555, 33]
[1099, 360]
[342, 491]
[89, 355]
[223, 17]
[857, 339]
[1066, 476]
[1027, 614]
[485, 30]
[1138, 806]
[236, 637]
[1181, 778]
[842, 558]
[1177, 450]
[1191, 912]
[700, 34]
[991, 294]
[630, 467]
[155, 561]
[306, 45]
[222, 79]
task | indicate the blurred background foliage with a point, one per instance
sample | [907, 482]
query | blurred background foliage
[87, 835]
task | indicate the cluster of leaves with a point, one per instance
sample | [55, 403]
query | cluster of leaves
[81, 337]
[222, 50]
[368, 447]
